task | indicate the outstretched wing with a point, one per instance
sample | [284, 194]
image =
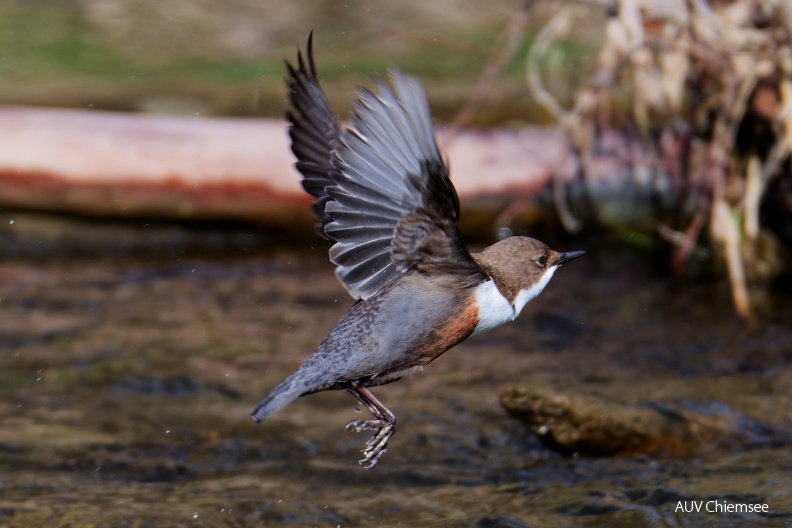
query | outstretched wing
[314, 132]
[387, 199]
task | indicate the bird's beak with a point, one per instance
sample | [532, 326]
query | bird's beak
[570, 255]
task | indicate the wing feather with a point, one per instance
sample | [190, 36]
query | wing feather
[382, 189]
[314, 132]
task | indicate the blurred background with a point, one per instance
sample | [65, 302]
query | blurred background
[159, 272]
[226, 59]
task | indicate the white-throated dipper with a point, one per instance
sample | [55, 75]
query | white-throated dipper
[384, 197]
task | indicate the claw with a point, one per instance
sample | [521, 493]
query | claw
[365, 425]
[377, 446]
[383, 433]
[353, 426]
[384, 424]
[370, 461]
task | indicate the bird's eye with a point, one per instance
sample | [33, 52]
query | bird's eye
[542, 261]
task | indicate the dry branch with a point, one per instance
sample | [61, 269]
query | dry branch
[698, 77]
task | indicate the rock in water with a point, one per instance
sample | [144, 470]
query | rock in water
[590, 425]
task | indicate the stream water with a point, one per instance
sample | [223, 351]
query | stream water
[126, 385]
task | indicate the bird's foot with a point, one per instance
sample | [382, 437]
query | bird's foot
[377, 445]
[384, 425]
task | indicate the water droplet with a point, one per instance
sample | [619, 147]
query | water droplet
[195, 515]
[543, 430]
[11, 222]
[167, 431]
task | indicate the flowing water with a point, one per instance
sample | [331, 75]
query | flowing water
[126, 384]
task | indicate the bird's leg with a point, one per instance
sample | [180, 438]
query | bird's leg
[384, 424]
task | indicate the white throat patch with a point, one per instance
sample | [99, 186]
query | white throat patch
[526, 296]
[494, 309]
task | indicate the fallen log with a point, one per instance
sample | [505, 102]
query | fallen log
[121, 165]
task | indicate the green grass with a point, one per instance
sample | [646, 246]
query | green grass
[56, 42]
[52, 54]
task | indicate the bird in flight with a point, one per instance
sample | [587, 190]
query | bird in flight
[385, 199]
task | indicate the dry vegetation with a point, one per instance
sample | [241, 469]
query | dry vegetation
[699, 96]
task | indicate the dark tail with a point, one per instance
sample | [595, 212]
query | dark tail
[285, 393]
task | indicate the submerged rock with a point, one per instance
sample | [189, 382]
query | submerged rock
[595, 426]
